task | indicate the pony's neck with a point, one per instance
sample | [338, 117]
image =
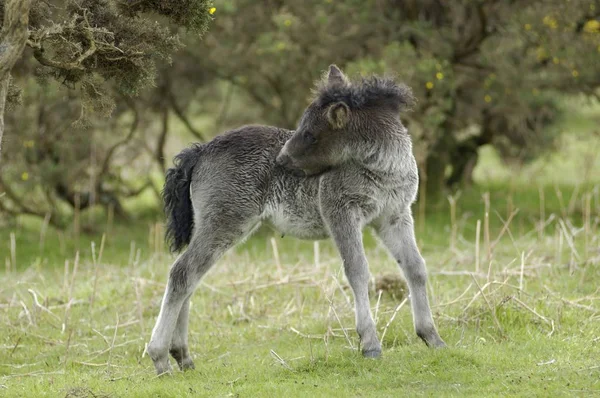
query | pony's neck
[384, 151]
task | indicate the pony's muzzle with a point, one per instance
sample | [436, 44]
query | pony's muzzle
[284, 160]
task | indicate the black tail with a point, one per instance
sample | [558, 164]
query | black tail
[176, 197]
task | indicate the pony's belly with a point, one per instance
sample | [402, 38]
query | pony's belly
[304, 226]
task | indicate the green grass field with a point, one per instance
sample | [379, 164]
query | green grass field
[519, 307]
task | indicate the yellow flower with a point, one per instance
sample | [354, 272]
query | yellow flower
[541, 54]
[28, 144]
[288, 22]
[592, 26]
[487, 98]
[527, 26]
[550, 22]
[439, 75]
[212, 10]
[575, 73]
[429, 85]
[556, 60]
[281, 46]
[25, 176]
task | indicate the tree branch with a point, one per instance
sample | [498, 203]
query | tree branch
[87, 33]
[21, 208]
[231, 79]
[12, 41]
[14, 33]
[179, 113]
[111, 150]
[162, 138]
[38, 53]
[129, 192]
[224, 108]
[473, 42]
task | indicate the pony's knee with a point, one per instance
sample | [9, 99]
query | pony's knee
[181, 275]
[179, 279]
[414, 270]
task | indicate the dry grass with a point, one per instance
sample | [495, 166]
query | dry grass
[278, 310]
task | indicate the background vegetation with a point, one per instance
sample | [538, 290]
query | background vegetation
[507, 139]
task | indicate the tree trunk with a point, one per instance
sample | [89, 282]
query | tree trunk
[434, 173]
[4, 82]
[12, 41]
[465, 155]
[461, 156]
[464, 159]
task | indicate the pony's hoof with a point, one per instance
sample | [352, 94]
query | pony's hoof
[187, 364]
[163, 369]
[372, 353]
[435, 342]
[160, 359]
[439, 344]
[182, 357]
[431, 338]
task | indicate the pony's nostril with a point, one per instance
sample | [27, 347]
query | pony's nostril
[282, 159]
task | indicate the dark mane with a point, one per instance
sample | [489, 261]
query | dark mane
[369, 92]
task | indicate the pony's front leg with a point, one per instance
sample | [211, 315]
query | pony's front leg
[346, 230]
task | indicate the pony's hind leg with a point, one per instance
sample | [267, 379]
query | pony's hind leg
[179, 344]
[183, 278]
[210, 241]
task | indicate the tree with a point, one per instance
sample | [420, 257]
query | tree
[485, 72]
[273, 51]
[489, 72]
[88, 71]
[12, 41]
[99, 47]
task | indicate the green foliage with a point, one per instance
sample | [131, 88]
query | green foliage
[191, 14]
[485, 72]
[273, 52]
[86, 44]
[13, 96]
[67, 146]
[53, 166]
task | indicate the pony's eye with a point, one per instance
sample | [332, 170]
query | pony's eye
[308, 136]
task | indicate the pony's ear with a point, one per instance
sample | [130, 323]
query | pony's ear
[338, 115]
[336, 76]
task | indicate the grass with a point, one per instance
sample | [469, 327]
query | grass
[530, 328]
[520, 311]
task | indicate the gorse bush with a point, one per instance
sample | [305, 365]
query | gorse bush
[74, 104]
